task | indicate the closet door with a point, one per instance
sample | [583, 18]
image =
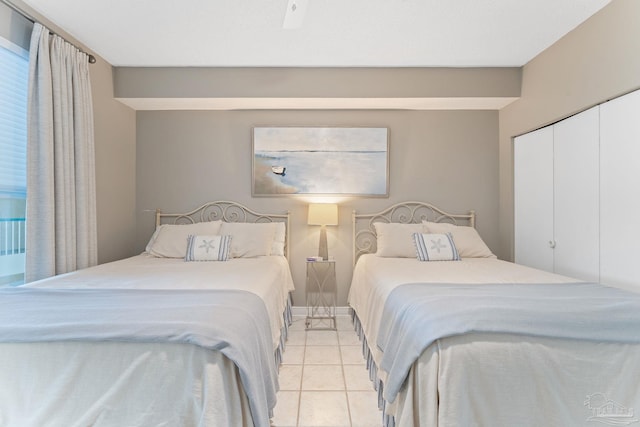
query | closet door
[576, 196]
[533, 198]
[620, 191]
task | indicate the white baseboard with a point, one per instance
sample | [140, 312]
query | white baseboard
[302, 311]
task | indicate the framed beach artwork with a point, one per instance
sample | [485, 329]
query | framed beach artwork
[320, 160]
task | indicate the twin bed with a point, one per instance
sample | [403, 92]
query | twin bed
[483, 342]
[153, 340]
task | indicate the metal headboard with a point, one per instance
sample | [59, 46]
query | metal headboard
[364, 233]
[226, 211]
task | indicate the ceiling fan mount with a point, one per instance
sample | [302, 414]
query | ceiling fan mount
[294, 15]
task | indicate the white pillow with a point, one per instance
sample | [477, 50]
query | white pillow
[396, 240]
[277, 248]
[467, 239]
[435, 247]
[250, 240]
[170, 240]
[208, 248]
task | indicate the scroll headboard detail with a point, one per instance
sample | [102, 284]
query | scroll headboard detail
[364, 233]
[225, 211]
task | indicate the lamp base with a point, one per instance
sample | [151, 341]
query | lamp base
[323, 250]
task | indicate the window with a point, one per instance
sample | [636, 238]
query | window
[14, 75]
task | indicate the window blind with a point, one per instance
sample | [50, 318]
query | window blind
[14, 76]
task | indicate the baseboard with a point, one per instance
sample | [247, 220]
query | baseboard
[302, 311]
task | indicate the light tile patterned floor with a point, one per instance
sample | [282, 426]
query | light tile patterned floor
[324, 380]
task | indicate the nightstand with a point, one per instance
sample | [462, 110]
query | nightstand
[321, 290]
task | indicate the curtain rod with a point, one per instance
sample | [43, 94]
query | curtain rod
[92, 59]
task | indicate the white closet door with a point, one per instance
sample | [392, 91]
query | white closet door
[533, 198]
[576, 196]
[620, 191]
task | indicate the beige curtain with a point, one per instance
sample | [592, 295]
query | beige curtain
[61, 200]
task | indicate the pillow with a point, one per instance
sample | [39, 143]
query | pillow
[435, 247]
[396, 240]
[467, 239]
[277, 247]
[170, 240]
[208, 248]
[250, 240]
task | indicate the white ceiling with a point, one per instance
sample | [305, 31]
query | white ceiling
[334, 33]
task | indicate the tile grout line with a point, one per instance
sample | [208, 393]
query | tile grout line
[344, 379]
[304, 357]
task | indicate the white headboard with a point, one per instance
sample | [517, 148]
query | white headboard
[364, 233]
[226, 211]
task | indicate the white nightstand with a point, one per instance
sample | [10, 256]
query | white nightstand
[321, 289]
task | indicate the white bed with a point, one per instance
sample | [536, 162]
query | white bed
[485, 379]
[111, 383]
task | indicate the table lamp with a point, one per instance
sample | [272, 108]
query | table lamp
[323, 214]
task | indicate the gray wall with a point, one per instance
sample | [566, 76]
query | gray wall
[115, 139]
[186, 158]
[316, 82]
[597, 61]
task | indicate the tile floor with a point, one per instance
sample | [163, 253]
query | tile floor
[324, 380]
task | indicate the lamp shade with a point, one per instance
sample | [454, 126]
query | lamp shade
[323, 214]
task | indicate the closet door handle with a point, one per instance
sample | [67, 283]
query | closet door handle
[552, 244]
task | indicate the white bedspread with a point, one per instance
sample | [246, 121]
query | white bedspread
[105, 384]
[418, 314]
[108, 384]
[268, 277]
[498, 379]
[233, 322]
[375, 277]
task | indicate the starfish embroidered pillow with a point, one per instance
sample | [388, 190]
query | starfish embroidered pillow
[435, 247]
[208, 248]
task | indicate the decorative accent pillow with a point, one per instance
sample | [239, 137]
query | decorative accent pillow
[250, 240]
[396, 240]
[467, 239]
[170, 240]
[435, 247]
[208, 248]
